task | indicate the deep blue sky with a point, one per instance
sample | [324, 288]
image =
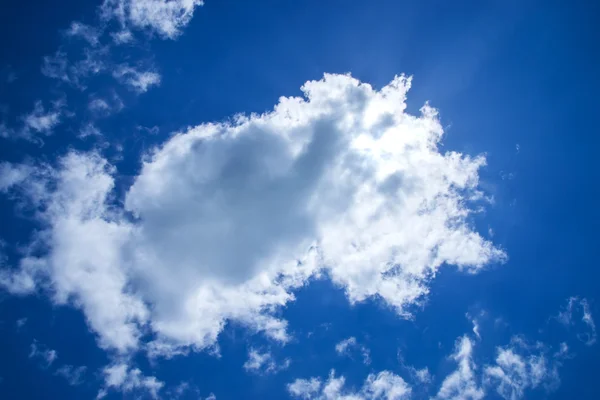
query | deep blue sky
[516, 80]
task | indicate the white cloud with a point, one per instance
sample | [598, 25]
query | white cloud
[121, 377]
[139, 81]
[346, 174]
[84, 267]
[305, 388]
[105, 106]
[423, 375]
[462, 383]
[384, 385]
[182, 390]
[475, 321]
[154, 130]
[58, 66]
[88, 33]
[17, 282]
[122, 37]
[12, 174]
[40, 120]
[73, 375]
[342, 347]
[575, 305]
[88, 130]
[263, 362]
[7, 74]
[587, 319]
[165, 17]
[519, 367]
[346, 346]
[38, 350]
[98, 105]
[230, 218]
[6, 132]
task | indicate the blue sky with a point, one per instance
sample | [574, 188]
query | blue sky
[305, 200]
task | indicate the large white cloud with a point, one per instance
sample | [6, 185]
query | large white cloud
[229, 218]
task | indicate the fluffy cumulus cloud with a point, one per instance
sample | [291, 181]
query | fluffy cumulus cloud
[384, 385]
[79, 222]
[226, 220]
[165, 17]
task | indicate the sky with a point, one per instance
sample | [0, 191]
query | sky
[299, 199]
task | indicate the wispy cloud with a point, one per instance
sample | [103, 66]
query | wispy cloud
[349, 345]
[576, 313]
[121, 376]
[40, 351]
[384, 385]
[59, 66]
[462, 383]
[88, 33]
[263, 362]
[13, 174]
[73, 375]
[88, 130]
[139, 81]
